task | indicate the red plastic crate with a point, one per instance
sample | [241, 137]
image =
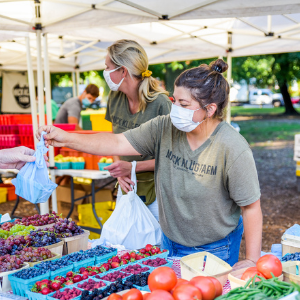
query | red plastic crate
[27, 141]
[25, 129]
[9, 141]
[9, 129]
[11, 195]
[66, 127]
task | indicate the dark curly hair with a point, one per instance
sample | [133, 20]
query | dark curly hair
[207, 85]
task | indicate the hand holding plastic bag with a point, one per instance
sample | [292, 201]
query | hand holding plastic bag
[131, 224]
[32, 182]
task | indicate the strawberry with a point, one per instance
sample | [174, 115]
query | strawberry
[138, 257]
[104, 267]
[69, 282]
[93, 273]
[70, 274]
[77, 278]
[147, 254]
[55, 285]
[148, 247]
[132, 254]
[153, 251]
[85, 277]
[116, 259]
[126, 256]
[124, 262]
[46, 291]
[85, 273]
[157, 249]
[60, 278]
[81, 270]
[165, 250]
[43, 285]
[35, 288]
[110, 261]
[143, 251]
[115, 265]
[96, 269]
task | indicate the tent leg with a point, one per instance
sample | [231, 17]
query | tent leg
[49, 115]
[44, 207]
[229, 71]
[77, 82]
[31, 89]
[74, 84]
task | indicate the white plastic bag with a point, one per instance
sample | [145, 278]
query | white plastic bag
[131, 224]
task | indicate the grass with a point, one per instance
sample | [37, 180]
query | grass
[255, 131]
[241, 111]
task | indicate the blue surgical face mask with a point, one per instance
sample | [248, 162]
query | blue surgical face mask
[86, 102]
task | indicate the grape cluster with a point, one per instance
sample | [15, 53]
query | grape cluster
[7, 225]
[66, 228]
[13, 243]
[29, 273]
[10, 263]
[42, 238]
[54, 265]
[39, 220]
[4, 234]
[29, 254]
[21, 230]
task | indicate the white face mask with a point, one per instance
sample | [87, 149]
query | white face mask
[113, 86]
[182, 118]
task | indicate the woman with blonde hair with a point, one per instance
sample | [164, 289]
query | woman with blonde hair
[135, 98]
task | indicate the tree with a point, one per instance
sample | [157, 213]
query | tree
[268, 70]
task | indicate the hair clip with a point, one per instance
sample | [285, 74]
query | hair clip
[218, 69]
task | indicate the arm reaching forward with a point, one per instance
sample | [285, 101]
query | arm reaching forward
[98, 143]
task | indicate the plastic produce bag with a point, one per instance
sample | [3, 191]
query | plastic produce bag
[33, 182]
[131, 224]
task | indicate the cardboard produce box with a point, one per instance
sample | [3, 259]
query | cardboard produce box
[103, 195]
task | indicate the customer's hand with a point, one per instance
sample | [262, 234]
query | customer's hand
[125, 183]
[55, 137]
[16, 158]
[119, 168]
[247, 263]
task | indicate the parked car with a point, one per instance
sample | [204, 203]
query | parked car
[295, 100]
[265, 96]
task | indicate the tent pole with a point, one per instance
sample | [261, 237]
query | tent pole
[49, 116]
[74, 84]
[44, 207]
[229, 71]
[31, 89]
[77, 82]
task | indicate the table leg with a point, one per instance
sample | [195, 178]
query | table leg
[15, 207]
[72, 198]
[93, 204]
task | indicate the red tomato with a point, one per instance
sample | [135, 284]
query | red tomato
[180, 281]
[133, 294]
[250, 273]
[160, 295]
[114, 297]
[206, 287]
[187, 292]
[162, 278]
[145, 296]
[268, 264]
[218, 286]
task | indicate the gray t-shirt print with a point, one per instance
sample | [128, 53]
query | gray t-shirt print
[199, 192]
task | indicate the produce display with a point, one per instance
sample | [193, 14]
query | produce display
[46, 286]
[66, 228]
[61, 158]
[13, 244]
[138, 279]
[39, 220]
[53, 265]
[89, 271]
[113, 276]
[157, 262]
[135, 269]
[106, 160]
[7, 226]
[99, 251]
[14, 230]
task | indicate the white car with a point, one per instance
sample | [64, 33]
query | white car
[265, 96]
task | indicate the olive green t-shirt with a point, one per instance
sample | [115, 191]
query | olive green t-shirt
[118, 113]
[199, 192]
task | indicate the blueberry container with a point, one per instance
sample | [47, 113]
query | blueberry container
[104, 258]
[20, 286]
[62, 271]
[35, 296]
[83, 263]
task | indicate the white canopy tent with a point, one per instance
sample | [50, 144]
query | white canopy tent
[76, 34]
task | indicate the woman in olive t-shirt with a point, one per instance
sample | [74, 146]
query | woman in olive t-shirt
[135, 98]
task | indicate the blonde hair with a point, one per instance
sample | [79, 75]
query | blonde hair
[132, 55]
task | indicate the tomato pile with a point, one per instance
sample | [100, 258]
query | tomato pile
[165, 285]
[266, 266]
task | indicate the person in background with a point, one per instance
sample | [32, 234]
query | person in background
[16, 158]
[54, 106]
[135, 98]
[69, 112]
